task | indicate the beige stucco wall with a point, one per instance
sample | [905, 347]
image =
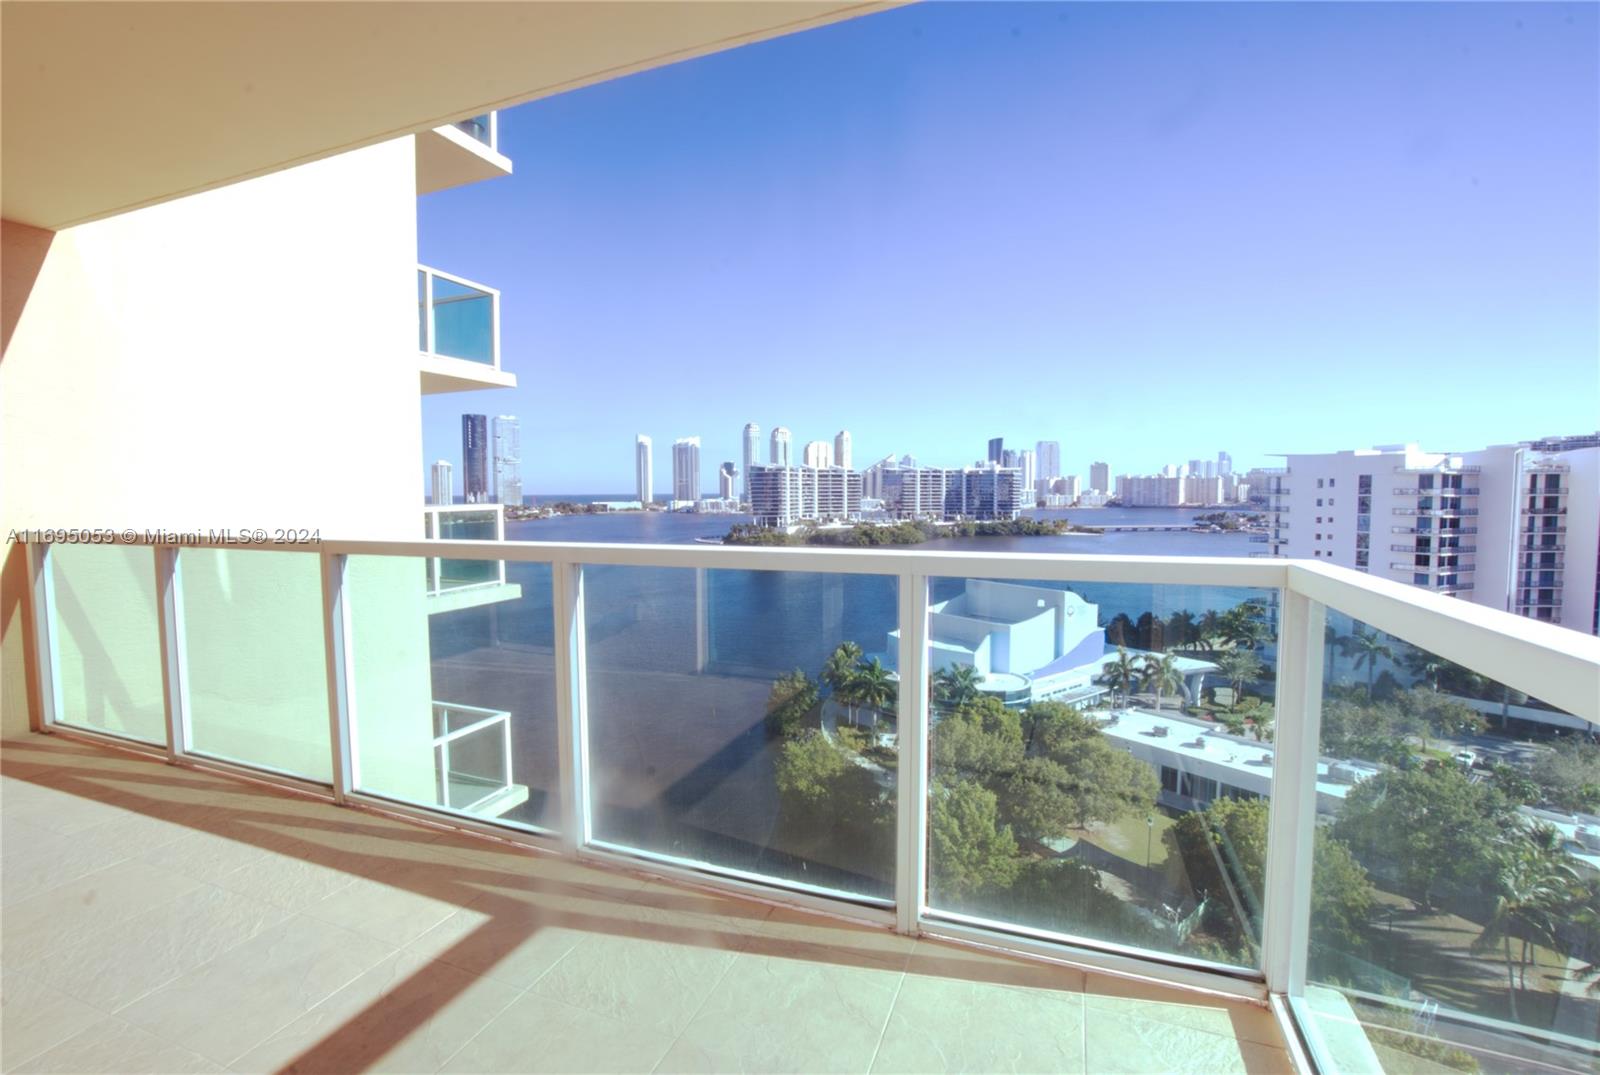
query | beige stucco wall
[243, 357]
[240, 358]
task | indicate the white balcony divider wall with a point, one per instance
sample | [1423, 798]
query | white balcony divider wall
[1560, 666]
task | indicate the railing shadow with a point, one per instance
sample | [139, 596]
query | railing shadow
[519, 897]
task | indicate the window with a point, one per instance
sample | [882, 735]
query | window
[1330, 482]
[1319, 502]
[1420, 578]
[1364, 484]
[1169, 779]
[1319, 486]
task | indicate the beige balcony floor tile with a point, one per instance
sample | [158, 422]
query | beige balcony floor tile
[954, 1024]
[1148, 1000]
[1116, 1042]
[113, 968]
[654, 984]
[228, 1006]
[35, 1017]
[774, 1014]
[34, 927]
[539, 1034]
[113, 1047]
[406, 1014]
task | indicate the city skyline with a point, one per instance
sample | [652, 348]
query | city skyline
[977, 184]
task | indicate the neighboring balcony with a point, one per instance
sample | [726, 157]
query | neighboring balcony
[466, 151]
[472, 761]
[456, 583]
[458, 334]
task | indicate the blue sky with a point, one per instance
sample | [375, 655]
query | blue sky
[1148, 231]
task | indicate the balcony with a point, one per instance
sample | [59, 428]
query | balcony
[789, 731]
[466, 151]
[472, 760]
[458, 334]
[1437, 512]
[454, 584]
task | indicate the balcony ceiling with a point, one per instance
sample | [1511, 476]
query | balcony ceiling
[106, 107]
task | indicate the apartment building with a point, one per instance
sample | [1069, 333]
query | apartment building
[982, 492]
[783, 496]
[1514, 527]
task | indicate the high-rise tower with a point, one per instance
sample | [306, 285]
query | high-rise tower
[507, 459]
[781, 451]
[475, 458]
[643, 470]
[841, 449]
[686, 469]
[752, 452]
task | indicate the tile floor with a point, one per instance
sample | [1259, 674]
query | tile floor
[157, 919]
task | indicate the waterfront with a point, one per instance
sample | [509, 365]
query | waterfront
[678, 528]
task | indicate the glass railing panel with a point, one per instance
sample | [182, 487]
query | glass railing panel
[463, 321]
[1455, 915]
[422, 310]
[106, 634]
[1101, 761]
[256, 667]
[744, 720]
[455, 710]
[451, 574]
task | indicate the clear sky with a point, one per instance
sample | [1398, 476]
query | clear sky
[1147, 231]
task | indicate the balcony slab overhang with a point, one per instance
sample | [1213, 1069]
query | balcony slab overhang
[440, 374]
[450, 157]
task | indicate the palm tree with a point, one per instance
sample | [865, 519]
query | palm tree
[1121, 673]
[874, 686]
[1180, 628]
[1160, 674]
[956, 686]
[839, 672]
[1367, 647]
[1240, 666]
[1245, 626]
[1209, 633]
[1424, 665]
[1531, 888]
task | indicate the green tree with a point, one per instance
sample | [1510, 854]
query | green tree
[970, 852]
[1229, 837]
[1427, 825]
[790, 703]
[1429, 712]
[1159, 674]
[1035, 799]
[1532, 888]
[874, 686]
[1101, 783]
[1244, 626]
[1121, 673]
[956, 686]
[1568, 774]
[1367, 647]
[981, 742]
[1238, 667]
[1049, 727]
[838, 674]
[809, 768]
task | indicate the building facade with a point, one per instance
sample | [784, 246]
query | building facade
[1100, 477]
[842, 456]
[997, 450]
[644, 470]
[783, 496]
[818, 453]
[728, 481]
[984, 493]
[507, 436]
[443, 491]
[752, 452]
[1514, 527]
[475, 458]
[1048, 456]
[686, 470]
[782, 447]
